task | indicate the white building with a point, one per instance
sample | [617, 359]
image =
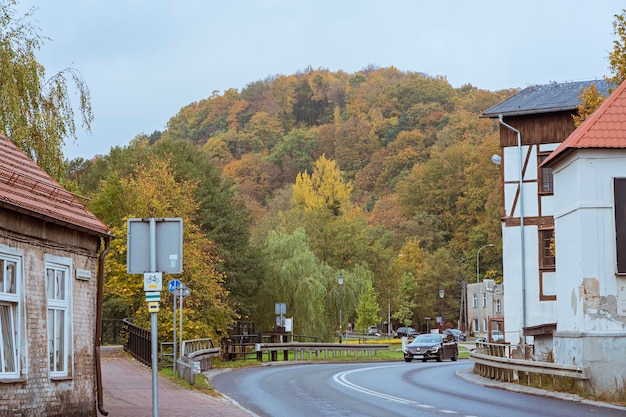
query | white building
[589, 171]
[532, 124]
[564, 228]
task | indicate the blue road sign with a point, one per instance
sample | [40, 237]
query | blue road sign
[173, 285]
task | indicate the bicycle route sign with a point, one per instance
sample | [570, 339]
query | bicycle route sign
[153, 281]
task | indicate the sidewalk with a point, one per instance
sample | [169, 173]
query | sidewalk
[128, 392]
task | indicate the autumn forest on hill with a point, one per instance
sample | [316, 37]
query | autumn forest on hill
[381, 175]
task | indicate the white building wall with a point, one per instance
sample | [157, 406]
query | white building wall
[522, 303]
[590, 329]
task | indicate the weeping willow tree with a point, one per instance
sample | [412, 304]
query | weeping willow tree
[37, 112]
[307, 286]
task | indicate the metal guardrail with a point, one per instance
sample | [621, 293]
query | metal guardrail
[196, 357]
[301, 349]
[197, 348]
[492, 360]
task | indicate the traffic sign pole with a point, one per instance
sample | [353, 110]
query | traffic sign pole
[139, 260]
[171, 287]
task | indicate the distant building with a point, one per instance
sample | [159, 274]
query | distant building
[52, 253]
[485, 301]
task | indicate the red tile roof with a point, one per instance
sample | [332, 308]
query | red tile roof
[27, 188]
[604, 129]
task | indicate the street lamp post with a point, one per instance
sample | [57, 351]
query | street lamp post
[441, 294]
[340, 282]
[478, 282]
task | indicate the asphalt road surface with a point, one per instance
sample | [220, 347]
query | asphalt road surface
[386, 389]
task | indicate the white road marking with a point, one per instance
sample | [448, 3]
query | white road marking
[341, 379]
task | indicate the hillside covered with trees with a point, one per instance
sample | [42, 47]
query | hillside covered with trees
[381, 175]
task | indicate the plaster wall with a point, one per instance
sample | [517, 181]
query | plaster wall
[602, 352]
[590, 332]
[535, 311]
[585, 242]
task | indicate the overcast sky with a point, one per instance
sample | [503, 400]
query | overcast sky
[145, 59]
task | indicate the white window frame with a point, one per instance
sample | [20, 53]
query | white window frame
[485, 300]
[59, 315]
[498, 306]
[475, 301]
[11, 301]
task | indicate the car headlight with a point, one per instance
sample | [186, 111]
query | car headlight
[435, 348]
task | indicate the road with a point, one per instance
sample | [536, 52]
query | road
[386, 389]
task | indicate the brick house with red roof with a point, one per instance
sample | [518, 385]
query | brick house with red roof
[52, 252]
[589, 172]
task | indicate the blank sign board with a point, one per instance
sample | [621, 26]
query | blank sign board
[167, 242]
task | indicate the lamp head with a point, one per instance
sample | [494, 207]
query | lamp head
[340, 279]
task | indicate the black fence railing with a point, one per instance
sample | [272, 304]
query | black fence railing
[242, 346]
[113, 332]
[138, 343]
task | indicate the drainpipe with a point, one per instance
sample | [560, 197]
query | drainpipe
[521, 219]
[98, 338]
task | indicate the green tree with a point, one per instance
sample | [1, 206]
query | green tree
[368, 312]
[407, 306]
[153, 191]
[37, 113]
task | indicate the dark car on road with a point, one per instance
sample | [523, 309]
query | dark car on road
[406, 331]
[458, 335]
[438, 346]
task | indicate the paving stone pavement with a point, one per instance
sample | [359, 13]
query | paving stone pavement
[128, 392]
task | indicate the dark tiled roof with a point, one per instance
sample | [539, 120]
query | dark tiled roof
[547, 98]
[604, 129]
[27, 188]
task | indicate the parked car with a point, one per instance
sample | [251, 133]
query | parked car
[406, 331]
[458, 335]
[373, 331]
[438, 346]
[497, 336]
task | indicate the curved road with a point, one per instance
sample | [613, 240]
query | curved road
[385, 389]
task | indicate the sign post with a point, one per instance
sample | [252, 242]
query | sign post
[163, 253]
[171, 287]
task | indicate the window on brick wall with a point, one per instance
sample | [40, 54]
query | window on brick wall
[58, 290]
[9, 316]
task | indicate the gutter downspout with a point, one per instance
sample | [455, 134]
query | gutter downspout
[98, 337]
[521, 218]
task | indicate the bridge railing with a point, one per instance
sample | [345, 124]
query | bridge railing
[196, 358]
[138, 342]
[300, 350]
